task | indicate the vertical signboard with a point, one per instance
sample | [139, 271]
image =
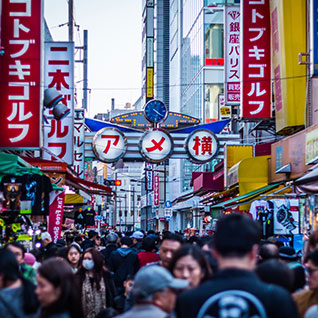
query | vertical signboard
[149, 176]
[156, 190]
[58, 74]
[79, 142]
[232, 55]
[56, 214]
[314, 38]
[288, 40]
[256, 59]
[149, 49]
[20, 69]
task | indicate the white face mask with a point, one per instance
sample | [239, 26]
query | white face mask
[88, 264]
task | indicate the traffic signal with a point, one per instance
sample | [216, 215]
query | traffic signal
[111, 183]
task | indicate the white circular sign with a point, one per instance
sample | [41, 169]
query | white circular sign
[109, 144]
[156, 145]
[202, 145]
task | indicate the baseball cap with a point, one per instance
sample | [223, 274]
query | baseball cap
[112, 237]
[46, 236]
[152, 278]
[137, 235]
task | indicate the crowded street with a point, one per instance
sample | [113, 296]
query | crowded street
[159, 159]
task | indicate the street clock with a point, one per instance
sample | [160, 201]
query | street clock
[155, 111]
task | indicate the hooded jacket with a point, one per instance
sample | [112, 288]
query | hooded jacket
[123, 262]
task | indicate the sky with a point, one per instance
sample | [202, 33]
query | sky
[114, 48]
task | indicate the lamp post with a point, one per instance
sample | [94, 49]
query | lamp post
[133, 207]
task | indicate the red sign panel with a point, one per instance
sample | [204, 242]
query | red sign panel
[256, 59]
[56, 214]
[20, 70]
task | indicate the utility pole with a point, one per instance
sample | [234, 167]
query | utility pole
[70, 20]
[133, 193]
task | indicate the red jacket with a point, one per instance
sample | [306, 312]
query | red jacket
[147, 257]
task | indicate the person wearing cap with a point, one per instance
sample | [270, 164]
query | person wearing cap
[154, 292]
[235, 290]
[90, 241]
[48, 249]
[309, 297]
[111, 245]
[288, 255]
[137, 238]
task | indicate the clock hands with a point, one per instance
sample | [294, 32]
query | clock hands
[157, 112]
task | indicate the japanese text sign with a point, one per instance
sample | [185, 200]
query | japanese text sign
[20, 69]
[149, 176]
[58, 74]
[156, 145]
[202, 145]
[156, 190]
[109, 145]
[79, 142]
[256, 59]
[232, 55]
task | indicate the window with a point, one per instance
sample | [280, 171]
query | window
[214, 43]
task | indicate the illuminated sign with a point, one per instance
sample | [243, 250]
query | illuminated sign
[202, 145]
[109, 145]
[156, 145]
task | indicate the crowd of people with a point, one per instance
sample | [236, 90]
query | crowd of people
[232, 274]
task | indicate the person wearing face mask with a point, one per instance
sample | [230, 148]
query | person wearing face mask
[97, 286]
[73, 256]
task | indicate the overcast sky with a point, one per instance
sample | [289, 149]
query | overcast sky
[114, 47]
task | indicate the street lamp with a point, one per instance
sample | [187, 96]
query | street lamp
[133, 213]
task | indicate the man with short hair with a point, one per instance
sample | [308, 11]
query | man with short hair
[154, 292]
[169, 245]
[309, 297]
[19, 251]
[90, 241]
[111, 246]
[235, 290]
[137, 238]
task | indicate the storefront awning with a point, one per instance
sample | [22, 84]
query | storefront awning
[244, 198]
[73, 199]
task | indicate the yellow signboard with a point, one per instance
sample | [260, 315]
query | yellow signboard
[288, 27]
[149, 82]
[311, 145]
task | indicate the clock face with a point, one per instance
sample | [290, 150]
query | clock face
[155, 111]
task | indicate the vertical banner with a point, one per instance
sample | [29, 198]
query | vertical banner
[156, 190]
[149, 176]
[314, 38]
[232, 55]
[256, 59]
[79, 142]
[20, 69]
[56, 214]
[58, 74]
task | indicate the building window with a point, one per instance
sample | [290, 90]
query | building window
[211, 100]
[214, 52]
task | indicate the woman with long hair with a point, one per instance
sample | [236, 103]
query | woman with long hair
[58, 291]
[74, 253]
[17, 294]
[97, 286]
[190, 263]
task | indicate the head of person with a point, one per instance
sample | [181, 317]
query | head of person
[287, 254]
[78, 239]
[128, 284]
[111, 238]
[272, 271]
[169, 245]
[189, 263]
[137, 236]
[156, 285]
[148, 244]
[74, 253]
[10, 274]
[18, 250]
[312, 269]
[268, 251]
[92, 235]
[46, 238]
[126, 241]
[236, 241]
[57, 289]
[313, 241]
[98, 240]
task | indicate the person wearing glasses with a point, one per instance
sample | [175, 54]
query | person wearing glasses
[309, 297]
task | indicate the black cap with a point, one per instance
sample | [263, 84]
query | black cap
[287, 252]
